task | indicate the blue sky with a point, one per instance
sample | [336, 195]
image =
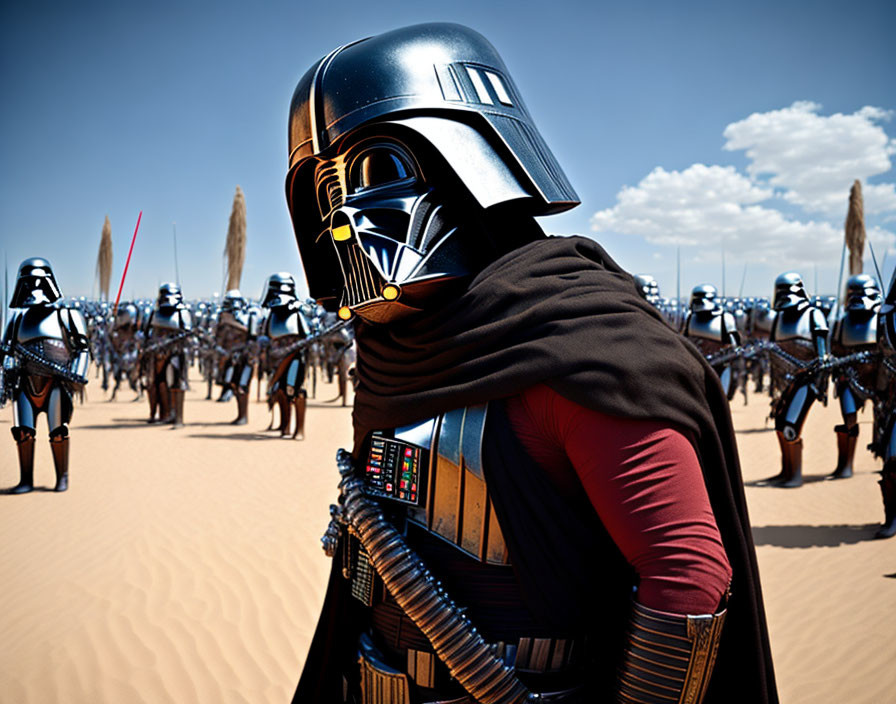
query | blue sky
[707, 125]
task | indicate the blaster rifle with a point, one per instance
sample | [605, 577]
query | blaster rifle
[745, 352]
[48, 365]
[821, 368]
[167, 342]
[307, 341]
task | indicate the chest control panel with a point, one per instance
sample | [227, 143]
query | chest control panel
[396, 470]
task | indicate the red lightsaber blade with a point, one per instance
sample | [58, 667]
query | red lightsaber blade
[126, 264]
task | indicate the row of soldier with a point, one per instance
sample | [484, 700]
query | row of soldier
[48, 343]
[804, 344]
[46, 348]
[153, 346]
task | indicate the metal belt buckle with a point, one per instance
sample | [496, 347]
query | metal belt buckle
[380, 683]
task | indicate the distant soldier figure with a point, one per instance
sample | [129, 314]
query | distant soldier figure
[648, 288]
[800, 331]
[712, 329]
[854, 331]
[237, 328]
[761, 319]
[286, 325]
[45, 360]
[167, 335]
[124, 347]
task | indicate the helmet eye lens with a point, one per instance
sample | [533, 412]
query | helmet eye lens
[379, 166]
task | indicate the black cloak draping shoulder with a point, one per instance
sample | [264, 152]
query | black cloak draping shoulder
[560, 311]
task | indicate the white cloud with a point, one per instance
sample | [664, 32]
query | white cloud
[812, 160]
[703, 205]
[796, 154]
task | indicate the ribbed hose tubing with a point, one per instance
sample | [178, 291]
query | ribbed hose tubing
[470, 660]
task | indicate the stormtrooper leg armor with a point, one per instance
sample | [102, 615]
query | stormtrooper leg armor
[790, 415]
[847, 434]
[24, 438]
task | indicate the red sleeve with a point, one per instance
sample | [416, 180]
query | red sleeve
[645, 482]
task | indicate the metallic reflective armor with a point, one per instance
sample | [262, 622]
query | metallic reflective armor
[648, 288]
[800, 331]
[884, 444]
[761, 319]
[123, 347]
[236, 331]
[164, 354]
[854, 331]
[45, 360]
[712, 329]
[413, 163]
[285, 325]
[432, 131]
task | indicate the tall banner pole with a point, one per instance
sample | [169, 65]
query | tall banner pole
[126, 264]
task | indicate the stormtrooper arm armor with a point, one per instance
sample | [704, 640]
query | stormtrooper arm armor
[732, 336]
[79, 343]
[820, 332]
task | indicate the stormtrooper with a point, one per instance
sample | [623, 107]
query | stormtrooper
[713, 329]
[800, 331]
[164, 355]
[854, 331]
[286, 326]
[236, 330]
[479, 553]
[45, 358]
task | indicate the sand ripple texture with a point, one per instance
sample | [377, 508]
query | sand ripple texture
[181, 566]
[184, 565]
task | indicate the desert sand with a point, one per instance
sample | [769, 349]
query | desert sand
[185, 565]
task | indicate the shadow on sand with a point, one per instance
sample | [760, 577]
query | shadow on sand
[813, 536]
[121, 423]
[38, 489]
[810, 479]
[234, 436]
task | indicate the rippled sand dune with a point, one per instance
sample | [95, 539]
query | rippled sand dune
[185, 565]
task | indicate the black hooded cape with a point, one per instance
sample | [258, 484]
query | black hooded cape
[558, 311]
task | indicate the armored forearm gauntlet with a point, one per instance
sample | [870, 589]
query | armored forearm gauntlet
[668, 659]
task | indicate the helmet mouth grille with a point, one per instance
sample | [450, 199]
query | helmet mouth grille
[362, 283]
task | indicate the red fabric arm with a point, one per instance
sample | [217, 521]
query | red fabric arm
[645, 482]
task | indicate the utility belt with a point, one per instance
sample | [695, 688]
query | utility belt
[416, 681]
[417, 498]
[403, 668]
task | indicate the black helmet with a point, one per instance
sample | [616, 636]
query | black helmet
[279, 288]
[35, 284]
[703, 297]
[233, 301]
[862, 293]
[789, 291]
[169, 295]
[648, 288]
[396, 143]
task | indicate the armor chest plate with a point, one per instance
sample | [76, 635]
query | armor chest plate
[435, 469]
[39, 322]
[706, 327]
[857, 330]
[793, 325]
[166, 319]
[284, 321]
